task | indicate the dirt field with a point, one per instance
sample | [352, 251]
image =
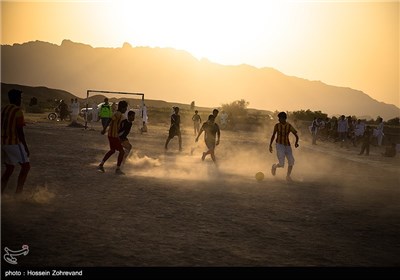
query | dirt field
[172, 209]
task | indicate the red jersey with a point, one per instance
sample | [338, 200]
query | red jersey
[11, 118]
[282, 133]
[115, 124]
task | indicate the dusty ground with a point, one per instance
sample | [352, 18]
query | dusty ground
[172, 209]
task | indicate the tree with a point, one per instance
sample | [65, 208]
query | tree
[395, 121]
[237, 113]
[236, 108]
[307, 115]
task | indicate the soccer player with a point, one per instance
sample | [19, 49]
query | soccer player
[113, 138]
[175, 129]
[212, 137]
[283, 148]
[13, 143]
[124, 130]
[196, 122]
[215, 113]
[105, 113]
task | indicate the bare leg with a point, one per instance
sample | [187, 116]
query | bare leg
[120, 157]
[107, 156]
[213, 156]
[166, 143]
[23, 174]
[180, 142]
[289, 170]
[6, 176]
[205, 154]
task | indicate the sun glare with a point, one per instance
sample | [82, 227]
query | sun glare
[337, 42]
[213, 29]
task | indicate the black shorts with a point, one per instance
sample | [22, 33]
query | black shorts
[174, 131]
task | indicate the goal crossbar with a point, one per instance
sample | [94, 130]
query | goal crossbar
[106, 91]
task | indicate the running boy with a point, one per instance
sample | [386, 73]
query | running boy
[124, 130]
[212, 137]
[13, 144]
[175, 129]
[196, 122]
[283, 148]
[113, 138]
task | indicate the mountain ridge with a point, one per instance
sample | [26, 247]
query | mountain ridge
[177, 76]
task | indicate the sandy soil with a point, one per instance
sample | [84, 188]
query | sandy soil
[172, 209]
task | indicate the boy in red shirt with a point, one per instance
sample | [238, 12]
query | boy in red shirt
[13, 143]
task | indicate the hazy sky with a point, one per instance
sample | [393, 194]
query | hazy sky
[345, 43]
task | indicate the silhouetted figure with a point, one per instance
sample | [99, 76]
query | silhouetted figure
[378, 131]
[105, 113]
[13, 144]
[124, 130]
[144, 119]
[359, 131]
[175, 129]
[196, 122]
[211, 137]
[366, 140]
[283, 148]
[215, 113]
[113, 138]
[95, 112]
[315, 125]
[63, 110]
[342, 129]
[74, 110]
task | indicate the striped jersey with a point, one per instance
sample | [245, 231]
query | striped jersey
[115, 124]
[282, 133]
[11, 118]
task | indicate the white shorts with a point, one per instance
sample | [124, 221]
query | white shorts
[283, 151]
[14, 154]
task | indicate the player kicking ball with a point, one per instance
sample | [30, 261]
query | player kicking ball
[283, 148]
[113, 138]
[212, 136]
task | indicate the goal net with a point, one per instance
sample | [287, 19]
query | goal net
[95, 98]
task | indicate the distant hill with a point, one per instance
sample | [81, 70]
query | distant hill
[176, 76]
[48, 97]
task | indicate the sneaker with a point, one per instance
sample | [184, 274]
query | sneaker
[289, 179]
[273, 169]
[100, 168]
[119, 172]
[203, 156]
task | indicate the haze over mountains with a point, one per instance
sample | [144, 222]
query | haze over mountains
[176, 76]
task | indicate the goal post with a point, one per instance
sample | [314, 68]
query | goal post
[91, 91]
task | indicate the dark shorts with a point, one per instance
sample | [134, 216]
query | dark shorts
[115, 143]
[174, 131]
[105, 121]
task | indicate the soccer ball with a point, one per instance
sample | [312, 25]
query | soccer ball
[259, 176]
